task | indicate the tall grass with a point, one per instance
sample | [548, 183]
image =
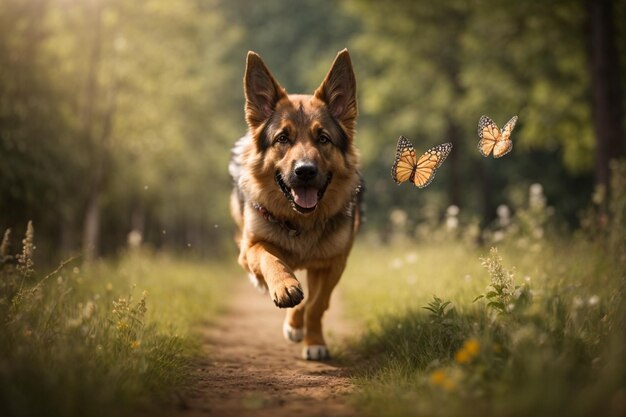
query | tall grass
[101, 340]
[534, 326]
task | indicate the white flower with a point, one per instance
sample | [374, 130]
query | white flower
[498, 235]
[452, 223]
[398, 217]
[396, 263]
[453, 210]
[536, 189]
[411, 257]
[134, 238]
[504, 215]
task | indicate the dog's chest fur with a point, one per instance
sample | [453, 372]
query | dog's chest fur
[320, 241]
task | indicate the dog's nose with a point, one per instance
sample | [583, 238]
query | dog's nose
[305, 170]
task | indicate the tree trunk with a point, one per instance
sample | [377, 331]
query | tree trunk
[604, 69]
[454, 134]
[91, 230]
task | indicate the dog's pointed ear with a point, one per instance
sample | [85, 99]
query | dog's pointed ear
[338, 91]
[261, 89]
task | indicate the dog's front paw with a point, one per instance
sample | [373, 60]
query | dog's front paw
[287, 293]
[292, 334]
[316, 353]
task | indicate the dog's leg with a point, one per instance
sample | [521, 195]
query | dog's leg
[265, 259]
[321, 282]
[293, 326]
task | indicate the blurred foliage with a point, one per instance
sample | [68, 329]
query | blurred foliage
[546, 333]
[101, 340]
[132, 107]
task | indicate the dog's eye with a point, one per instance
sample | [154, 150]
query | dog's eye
[324, 138]
[282, 138]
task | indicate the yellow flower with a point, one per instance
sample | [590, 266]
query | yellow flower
[468, 351]
[462, 356]
[437, 377]
[135, 344]
[472, 346]
[440, 378]
[122, 325]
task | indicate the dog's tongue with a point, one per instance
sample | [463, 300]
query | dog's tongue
[305, 197]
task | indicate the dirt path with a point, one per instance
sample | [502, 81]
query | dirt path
[250, 370]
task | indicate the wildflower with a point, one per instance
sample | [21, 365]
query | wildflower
[411, 257]
[461, 356]
[398, 217]
[452, 220]
[396, 263]
[135, 344]
[536, 197]
[468, 351]
[453, 210]
[452, 223]
[134, 238]
[504, 215]
[472, 346]
[440, 378]
[593, 300]
[122, 325]
[25, 259]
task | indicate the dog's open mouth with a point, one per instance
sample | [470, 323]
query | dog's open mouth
[303, 199]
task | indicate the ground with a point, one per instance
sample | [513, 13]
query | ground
[250, 369]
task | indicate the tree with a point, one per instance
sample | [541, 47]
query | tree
[607, 100]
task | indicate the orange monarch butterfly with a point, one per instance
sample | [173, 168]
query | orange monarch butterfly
[420, 171]
[491, 138]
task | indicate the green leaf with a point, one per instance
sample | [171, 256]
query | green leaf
[497, 305]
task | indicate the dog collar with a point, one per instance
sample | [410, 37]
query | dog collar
[284, 224]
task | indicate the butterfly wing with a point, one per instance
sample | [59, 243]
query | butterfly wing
[428, 163]
[405, 161]
[505, 145]
[489, 134]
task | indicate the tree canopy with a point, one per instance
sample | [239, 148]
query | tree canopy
[119, 116]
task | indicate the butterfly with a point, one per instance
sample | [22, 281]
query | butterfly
[491, 138]
[420, 171]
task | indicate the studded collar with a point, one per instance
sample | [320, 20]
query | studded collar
[284, 224]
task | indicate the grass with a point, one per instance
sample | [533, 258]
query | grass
[103, 340]
[535, 326]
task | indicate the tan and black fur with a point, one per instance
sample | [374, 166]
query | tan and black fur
[297, 192]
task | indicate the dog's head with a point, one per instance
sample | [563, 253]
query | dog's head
[305, 140]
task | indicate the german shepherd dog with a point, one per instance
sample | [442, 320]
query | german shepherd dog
[297, 192]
